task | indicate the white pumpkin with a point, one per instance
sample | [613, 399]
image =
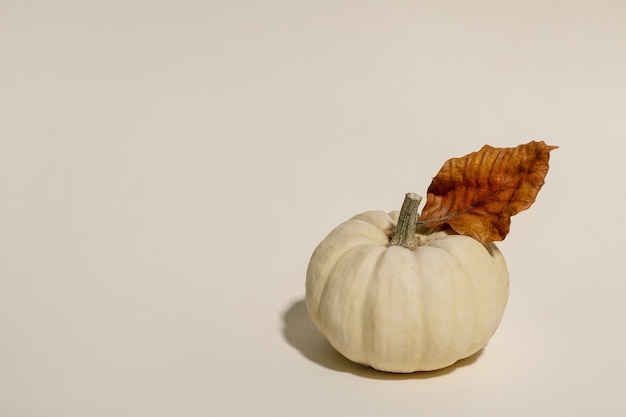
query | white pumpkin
[405, 307]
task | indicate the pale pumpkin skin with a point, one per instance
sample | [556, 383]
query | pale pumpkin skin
[402, 310]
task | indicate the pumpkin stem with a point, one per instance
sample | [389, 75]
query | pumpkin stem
[407, 221]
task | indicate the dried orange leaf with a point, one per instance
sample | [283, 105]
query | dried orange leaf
[477, 194]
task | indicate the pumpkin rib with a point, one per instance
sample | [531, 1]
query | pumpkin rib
[379, 219]
[371, 258]
[475, 344]
[414, 353]
[319, 272]
[368, 307]
[430, 296]
[340, 296]
[379, 236]
[353, 228]
[407, 316]
[466, 278]
[345, 234]
[332, 273]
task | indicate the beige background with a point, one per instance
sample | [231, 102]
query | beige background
[167, 168]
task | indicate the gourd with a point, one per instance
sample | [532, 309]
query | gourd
[403, 292]
[403, 298]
